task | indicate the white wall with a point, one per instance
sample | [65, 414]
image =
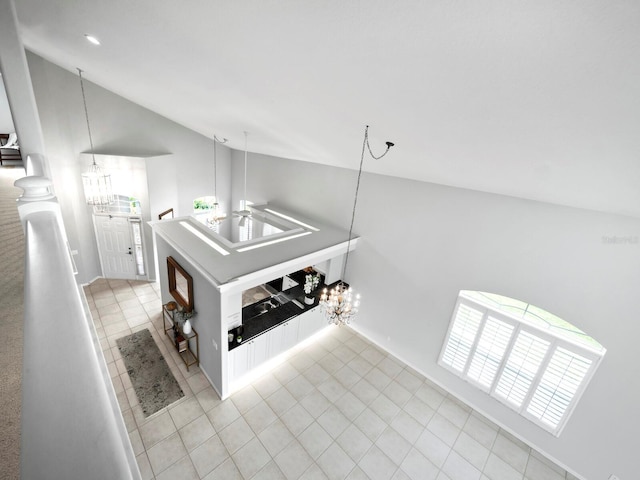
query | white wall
[422, 243]
[119, 128]
[206, 321]
[6, 121]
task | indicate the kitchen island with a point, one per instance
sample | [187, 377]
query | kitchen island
[250, 268]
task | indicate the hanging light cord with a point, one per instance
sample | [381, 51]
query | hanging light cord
[244, 200]
[215, 165]
[86, 114]
[365, 145]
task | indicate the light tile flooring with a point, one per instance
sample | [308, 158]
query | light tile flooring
[340, 408]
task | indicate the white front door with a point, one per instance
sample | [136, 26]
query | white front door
[115, 246]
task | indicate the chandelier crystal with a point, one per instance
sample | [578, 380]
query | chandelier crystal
[340, 305]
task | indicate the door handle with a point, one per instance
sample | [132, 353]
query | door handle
[130, 252]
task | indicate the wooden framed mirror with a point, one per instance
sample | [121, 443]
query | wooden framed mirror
[180, 284]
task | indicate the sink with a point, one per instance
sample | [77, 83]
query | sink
[265, 307]
[268, 304]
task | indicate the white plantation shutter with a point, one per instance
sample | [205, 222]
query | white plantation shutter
[462, 336]
[558, 386]
[521, 368]
[537, 373]
[490, 350]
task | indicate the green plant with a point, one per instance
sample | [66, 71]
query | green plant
[311, 281]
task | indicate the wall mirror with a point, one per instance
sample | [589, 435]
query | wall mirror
[180, 285]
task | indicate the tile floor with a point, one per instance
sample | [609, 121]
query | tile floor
[338, 409]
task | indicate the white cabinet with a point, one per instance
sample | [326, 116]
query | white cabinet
[311, 322]
[290, 334]
[282, 337]
[275, 340]
[260, 351]
[251, 354]
[248, 356]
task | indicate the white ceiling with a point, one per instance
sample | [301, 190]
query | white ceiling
[536, 99]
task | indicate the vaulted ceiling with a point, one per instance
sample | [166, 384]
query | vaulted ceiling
[535, 99]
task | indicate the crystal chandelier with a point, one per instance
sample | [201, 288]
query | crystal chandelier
[217, 215]
[96, 183]
[340, 305]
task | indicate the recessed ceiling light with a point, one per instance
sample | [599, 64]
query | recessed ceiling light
[92, 39]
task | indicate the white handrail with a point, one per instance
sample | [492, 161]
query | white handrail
[72, 427]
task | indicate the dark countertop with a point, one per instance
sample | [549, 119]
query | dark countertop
[256, 325]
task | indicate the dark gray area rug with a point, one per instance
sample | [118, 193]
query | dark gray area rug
[153, 382]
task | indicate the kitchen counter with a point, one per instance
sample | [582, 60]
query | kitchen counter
[256, 325]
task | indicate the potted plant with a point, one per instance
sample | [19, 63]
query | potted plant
[311, 282]
[185, 317]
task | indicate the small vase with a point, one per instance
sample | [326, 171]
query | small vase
[309, 300]
[186, 328]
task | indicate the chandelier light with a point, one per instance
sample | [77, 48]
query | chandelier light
[340, 305]
[96, 183]
[217, 215]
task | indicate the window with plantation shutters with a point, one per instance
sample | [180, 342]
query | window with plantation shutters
[521, 368]
[490, 351]
[525, 357]
[560, 383]
[462, 336]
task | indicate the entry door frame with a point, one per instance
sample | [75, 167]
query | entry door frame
[129, 219]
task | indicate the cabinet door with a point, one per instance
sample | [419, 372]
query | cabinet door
[260, 351]
[282, 338]
[311, 321]
[275, 341]
[248, 356]
[308, 323]
[239, 361]
[319, 320]
[290, 333]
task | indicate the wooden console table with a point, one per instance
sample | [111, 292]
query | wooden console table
[183, 342]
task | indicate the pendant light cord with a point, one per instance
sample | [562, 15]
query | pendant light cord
[367, 146]
[215, 170]
[86, 114]
[215, 165]
[244, 200]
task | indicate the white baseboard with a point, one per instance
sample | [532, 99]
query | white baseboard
[91, 281]
[210, 382]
